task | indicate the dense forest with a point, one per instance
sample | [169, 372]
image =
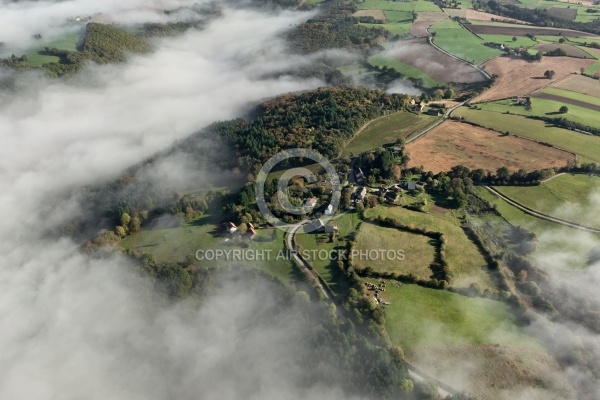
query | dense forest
[336, 28]
[102, 44]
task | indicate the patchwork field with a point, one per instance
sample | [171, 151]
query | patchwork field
[571, 50]
[418, 251]
[453, 143]
[464, 259]
[432, 62]
[387, 130]
[569, 197]
[418, 6]
[585, 146]
[548, 105]
[517, 77]
[456, 40]
[479, 15]
[580, 84]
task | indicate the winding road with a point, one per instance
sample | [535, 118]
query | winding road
[540, 215]
[414, 373]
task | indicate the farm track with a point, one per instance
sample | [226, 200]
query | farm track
[540, 215]
[566, 100]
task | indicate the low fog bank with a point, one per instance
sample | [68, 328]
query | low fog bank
[75, 327]
[78, 328]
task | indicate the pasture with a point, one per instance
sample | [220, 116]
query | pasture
[522, 41]
[556, 240]
[548, 105]
[455, 143]
[464, 259]
[518, 77]
[586, 147]
[418, 251]
[456, 40]
[421, 316]
[179, 243]
[569, 49]
[387, 130]
[571, 197]
[431, 62]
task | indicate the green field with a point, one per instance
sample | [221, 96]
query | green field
[466, 262]
[587, 147]
[67, 42]
[326, 267]
[421, 316]
[178, 244]
[546, 108]
[387, 129]
[386, 5]
[408, 71]
[568, 197]
[456, 40]
[555, 239]
[522, 41]
[573, 95]
[418, 251]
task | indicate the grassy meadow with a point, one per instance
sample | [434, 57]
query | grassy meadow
[418, 250]
[387, 130]
[466, 262]
[456, 40]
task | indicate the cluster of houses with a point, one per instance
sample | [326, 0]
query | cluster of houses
[377, 289]
[233, 230]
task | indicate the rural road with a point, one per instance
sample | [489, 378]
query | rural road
[540, 215]
[424, 131]
[477, 67]
[419, 376]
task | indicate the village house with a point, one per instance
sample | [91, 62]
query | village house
[331, 229]
[312, 202]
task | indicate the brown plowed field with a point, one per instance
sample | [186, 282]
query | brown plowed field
[479, 16]
[517, 77]
[580, 84]
[571, 50]
[441, 67]
[567, 100]
[453, 143]
[519, 30]
[424, 20]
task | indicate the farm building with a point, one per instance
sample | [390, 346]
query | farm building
[434, 111]
[314, 226]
